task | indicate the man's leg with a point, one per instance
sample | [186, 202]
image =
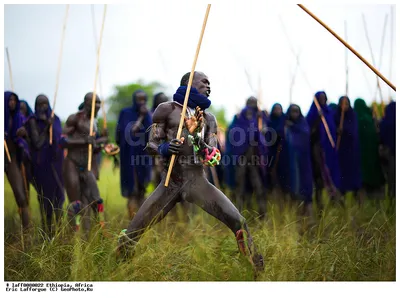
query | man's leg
[213, 201]
[258, 187]
[240, 186]
[17, 185]
[73, 188]
[153, 210]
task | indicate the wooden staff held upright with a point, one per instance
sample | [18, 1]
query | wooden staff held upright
[94, 91]
[12, 88]
[178, 135]
[58, 71]
[347, 90]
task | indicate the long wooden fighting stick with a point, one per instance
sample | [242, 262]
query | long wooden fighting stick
[178, 135]
[58, 71]
[94, 90]
[328, 132]
[347, 89]
[296, 55]
[349, 47]
[12, 88]
[391, 46]
[293, 78]
[100, 84]
[372, 52]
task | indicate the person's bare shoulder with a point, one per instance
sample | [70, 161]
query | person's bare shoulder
[162, 111]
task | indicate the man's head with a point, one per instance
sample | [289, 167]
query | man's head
[321, 97]
[277, 110]
[42, 105]
[200, 82]
[12, 102]
[88, 104]
[344, 103]
[23, 108]
[294, 112]
[139, 98]
[158, 99]
[251, 102]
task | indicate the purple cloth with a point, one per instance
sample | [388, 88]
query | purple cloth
[349, 151]
[388, 127]
[10, 133]
[47, 164]
[133, 157]
[296, 151]
[330, 153]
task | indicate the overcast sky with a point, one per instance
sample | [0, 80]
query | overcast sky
[157, 41]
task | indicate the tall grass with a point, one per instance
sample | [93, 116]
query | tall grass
[352, 244]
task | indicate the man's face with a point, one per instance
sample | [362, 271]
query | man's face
[322, 99]
[294, 113]
[345, 104]
[12, 103]
[23, 108]
[42, 104]
[140, 99]
[88, 103]
[252, 103]
[201, 83]
[277, 111]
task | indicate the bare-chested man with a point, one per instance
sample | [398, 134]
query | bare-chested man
[80, 184]
[188, 181]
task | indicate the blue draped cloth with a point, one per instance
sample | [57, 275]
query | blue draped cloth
[331, 156]
[29, 110]
[388, 127]
[47, 163]
[10, 133]
[296, 151]
[195, 98]
[349, 151]
[276, 123]
[134, 161]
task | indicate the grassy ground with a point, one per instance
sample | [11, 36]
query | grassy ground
[356, 244]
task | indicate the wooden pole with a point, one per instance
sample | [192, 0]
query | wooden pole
[372, 53]
[293, 78]
[349, 47]
[340, 126]
[347, 89]
[12, 89]
[10, 70]
[178, 135]
[391, 46]
[346, 58]
[100, 84]
[296, 55]
[94, 90]
[260, 118]
[328, 132]
[7, 152]
[58, 71]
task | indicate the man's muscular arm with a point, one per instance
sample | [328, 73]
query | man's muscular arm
[158, 140]
[70, 141]
[210, 136]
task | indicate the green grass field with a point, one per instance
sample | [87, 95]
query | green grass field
[352, 244]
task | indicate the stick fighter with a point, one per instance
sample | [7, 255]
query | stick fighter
[188, 181]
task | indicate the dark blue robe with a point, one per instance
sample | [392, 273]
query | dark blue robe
[331, 157]
[133, 157]
[10, 133]
[47, 165]
[296, 151]
[349, 151]
[388, 128]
